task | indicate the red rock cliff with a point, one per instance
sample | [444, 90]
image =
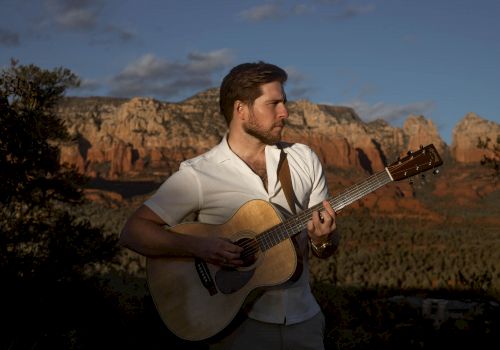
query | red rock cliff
[140, 137]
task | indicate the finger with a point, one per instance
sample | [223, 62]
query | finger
[321, 217]
[226, 256]
[226, 261]
[232, 256]
[329, 208]
[230, 262]
[310, 227]
[236, 249]
[332, 214]
[325, 217]
[316, 218]
[232, 247]
[329, 223]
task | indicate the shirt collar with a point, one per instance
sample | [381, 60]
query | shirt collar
[224, 152]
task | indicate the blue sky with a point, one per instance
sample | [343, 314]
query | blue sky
[385, 58]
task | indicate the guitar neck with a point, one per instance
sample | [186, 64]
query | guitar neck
[297, 223]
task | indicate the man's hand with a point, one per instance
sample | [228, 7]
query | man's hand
[323, 223]
[219, 251]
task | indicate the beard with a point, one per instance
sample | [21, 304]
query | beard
[268, 137]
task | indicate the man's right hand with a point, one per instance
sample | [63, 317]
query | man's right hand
[219, 251]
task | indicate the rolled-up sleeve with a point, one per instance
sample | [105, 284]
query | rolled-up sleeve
[177, 197]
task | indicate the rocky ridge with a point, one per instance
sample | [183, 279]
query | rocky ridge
[143, 137]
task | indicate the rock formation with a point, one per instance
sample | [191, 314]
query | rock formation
[467, 135]
[421, 131]
[142, 137]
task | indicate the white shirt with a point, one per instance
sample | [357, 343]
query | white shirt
[215, 184]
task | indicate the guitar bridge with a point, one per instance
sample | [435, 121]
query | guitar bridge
[204, 275]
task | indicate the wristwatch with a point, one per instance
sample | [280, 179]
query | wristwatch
[321, 246]
[325, 249]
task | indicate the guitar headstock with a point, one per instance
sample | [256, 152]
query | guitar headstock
[414, 163]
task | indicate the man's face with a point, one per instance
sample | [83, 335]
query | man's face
[267, 115]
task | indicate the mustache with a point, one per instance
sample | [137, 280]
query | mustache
[280, 124]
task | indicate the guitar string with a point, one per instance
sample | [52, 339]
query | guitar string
[293, 225]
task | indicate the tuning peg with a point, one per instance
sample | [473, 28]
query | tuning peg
[421, 146]
[435, 171]
[409, 153]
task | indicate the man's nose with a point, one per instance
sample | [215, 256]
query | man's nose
[283, 111]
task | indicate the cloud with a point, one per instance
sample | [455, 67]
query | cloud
[389, 112]
[211, 61]
[122, 33]
[261, 13]
[342, 9]
[157, 77]
[351, 11]
[297, 87]
[87, 87]
[302, 9]
[77, 19]
[90, 85]
[8, 37]
[75, 14]
[85, 16]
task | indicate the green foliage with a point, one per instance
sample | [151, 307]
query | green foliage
[413, 254]
[46, 253]
[382, 259]
[29, 129]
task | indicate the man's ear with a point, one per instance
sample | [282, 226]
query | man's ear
[239, 109]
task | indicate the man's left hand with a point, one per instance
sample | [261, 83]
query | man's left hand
[322, 224]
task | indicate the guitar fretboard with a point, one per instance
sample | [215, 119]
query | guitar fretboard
[297, 223]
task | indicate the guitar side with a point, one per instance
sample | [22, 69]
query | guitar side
[182, 301]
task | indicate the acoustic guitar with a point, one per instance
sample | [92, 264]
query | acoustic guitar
[197, 300]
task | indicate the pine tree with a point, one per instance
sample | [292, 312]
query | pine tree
[45, 252]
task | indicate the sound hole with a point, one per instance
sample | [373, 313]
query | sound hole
[249, 254]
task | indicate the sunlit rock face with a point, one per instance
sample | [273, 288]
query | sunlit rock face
[467, 135]
[143, 137]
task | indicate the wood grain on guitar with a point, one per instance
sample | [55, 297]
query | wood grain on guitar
[197, 300]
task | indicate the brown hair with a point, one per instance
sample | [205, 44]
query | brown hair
[243, 83]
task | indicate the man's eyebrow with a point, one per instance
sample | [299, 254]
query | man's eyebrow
[283, 99]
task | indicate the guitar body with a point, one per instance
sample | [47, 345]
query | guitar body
[185, 304]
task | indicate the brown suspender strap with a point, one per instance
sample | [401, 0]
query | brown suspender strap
[286, 184]
[286, 181]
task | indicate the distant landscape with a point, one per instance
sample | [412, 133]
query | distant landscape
[418, 264]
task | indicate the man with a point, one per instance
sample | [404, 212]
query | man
[214, 185]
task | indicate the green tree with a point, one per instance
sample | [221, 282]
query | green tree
[45, 252]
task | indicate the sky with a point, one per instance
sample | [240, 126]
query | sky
[385, 58]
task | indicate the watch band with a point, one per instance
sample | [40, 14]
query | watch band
[320, 247]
